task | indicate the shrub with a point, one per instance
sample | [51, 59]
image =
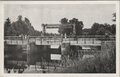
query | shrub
[104, 62]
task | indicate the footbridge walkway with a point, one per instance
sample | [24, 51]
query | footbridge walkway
[57, 40]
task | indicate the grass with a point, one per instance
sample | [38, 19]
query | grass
[104, 62]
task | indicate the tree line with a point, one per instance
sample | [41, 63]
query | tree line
[101, 29]
[76, 29]
[96, 28]
[69, 27]
[19, 27]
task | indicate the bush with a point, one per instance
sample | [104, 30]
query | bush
[104, 62]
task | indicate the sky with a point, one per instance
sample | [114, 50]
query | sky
[53, 13]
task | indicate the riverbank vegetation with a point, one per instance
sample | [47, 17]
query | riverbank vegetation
[24, 27]
[105, 62]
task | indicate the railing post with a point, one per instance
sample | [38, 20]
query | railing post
[93, 40]
[77, 40]
[84, 40]
[41, 40]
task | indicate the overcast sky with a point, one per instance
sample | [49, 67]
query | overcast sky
[52, 13]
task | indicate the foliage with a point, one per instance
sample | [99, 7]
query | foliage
[64, 21]
[102, 29]
[86, 31]
[8, 29]
[76, 26]
[105, 62]
[114, 15]
[19, 27]
[113, 29]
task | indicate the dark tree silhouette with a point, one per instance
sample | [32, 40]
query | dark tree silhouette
[78, 25]
[19, 27]
[7, 26]
[64, 28]
[64, 21]
[100, 29]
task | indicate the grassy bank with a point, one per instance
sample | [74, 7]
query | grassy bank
[104, 62]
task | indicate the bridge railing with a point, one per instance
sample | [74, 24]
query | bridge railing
[79, 36]
[40, 40]
[13, 38]
[73, 41]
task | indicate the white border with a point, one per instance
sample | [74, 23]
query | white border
[2, 74]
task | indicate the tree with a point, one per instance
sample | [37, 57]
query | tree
[100, 29]
[78, 25]
[19, 27]
[94, 28]
[113, 26]
[86, 31]
[74, 26]
[64, 28]
[64, 21]
[114, 17]
[113, 29]
[6, 26]
[19, 18]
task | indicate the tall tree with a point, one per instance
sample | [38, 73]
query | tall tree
[64, 28]
[74, 26]
[6, 26]
[78, 25]
[19, 27]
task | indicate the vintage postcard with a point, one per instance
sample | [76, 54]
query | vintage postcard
[59, 38]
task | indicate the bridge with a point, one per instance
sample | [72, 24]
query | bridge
[89, 44]
[83, 40]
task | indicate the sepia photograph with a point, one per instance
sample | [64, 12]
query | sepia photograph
[60, 38]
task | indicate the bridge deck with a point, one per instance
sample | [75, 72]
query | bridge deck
[15, 40]
[53, 42]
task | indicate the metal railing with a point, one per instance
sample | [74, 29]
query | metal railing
[44, 40]
[79, 36]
